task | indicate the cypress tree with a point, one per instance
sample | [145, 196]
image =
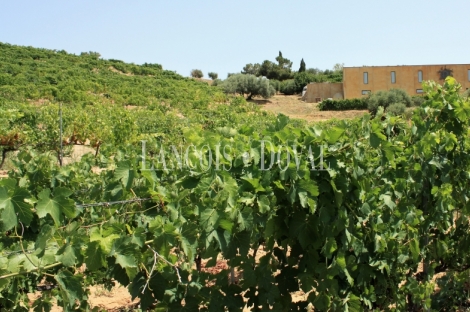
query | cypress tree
[302, 66]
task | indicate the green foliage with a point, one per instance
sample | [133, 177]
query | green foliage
[306, 77]
[30, 74]
[390, 196]
[281, 70]
[213, 75]
[197, 73]
[288, 87]
[417, 100]
[249, 85]
[345, 104]
[350, 219]
[396, 109]
[93, 102]
[302, 67]
[386, 98]
[338, 67]
[283, 63]
[454, 291]
[272, 70]
[276, 84]
[302, 79]
[251, 69]
[216, 82]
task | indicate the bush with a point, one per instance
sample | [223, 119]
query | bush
[346, 104]
[276, 84]
[417, 100]
[197, 73]
[216, 82]
[387, 98]
[408, 114]
[288, 87]
[396, 109]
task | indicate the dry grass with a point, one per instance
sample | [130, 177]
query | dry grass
[294, 107]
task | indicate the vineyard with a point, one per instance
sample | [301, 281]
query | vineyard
[359, 215]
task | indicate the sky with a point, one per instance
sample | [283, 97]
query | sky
[223, 36]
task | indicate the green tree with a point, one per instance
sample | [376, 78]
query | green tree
[197, 73]
[283, 63]
[249, 85]
[302, 66]
[338, 67]
[252, 69]
[302, 79]
[267, 69]
[314, 71]
[288, 87]
[213, 75]
[282, 70]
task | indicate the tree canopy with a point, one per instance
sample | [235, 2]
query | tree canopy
[197, 73]
[249, 85]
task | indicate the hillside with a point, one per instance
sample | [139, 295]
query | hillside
[97, 96]
[28, 73]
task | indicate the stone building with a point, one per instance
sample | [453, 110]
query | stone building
[360, 81]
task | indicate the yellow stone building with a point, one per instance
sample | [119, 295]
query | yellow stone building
[360, 81]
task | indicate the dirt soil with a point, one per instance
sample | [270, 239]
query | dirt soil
[294, 107]
[116, 299]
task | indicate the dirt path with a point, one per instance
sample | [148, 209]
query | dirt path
[294, 107]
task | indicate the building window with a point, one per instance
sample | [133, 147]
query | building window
[365, 92]
[393, 77]
[468, 74]
[420, 76]
[366, 77]
[419, 90]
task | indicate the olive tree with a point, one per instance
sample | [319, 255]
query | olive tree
[249, 85]
[386, 98]
[197, 73]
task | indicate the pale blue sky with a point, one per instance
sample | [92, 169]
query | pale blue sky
[222, 36]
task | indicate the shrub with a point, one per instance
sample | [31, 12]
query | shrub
[346, 104]
[387, 98]
[396, 109]
[417, 100]
[213, 75]
[408, 114]
[216, 82]
[197, 73]
[276, 84]
[288, 87]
